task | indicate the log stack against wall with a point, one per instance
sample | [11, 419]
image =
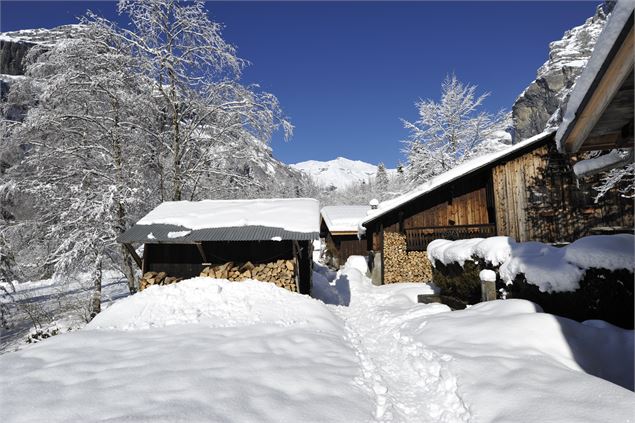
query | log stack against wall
[282, 273]
[156, 278]
[401, 265]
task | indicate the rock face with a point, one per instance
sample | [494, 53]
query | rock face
[12, 56]
[538, 107]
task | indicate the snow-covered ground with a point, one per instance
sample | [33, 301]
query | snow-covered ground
[213, 350]
[340, 172]
[54, 304]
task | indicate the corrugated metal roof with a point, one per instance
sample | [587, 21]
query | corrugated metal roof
[157, 233]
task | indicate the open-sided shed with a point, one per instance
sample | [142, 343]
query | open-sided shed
[339, 228]
[183, 238]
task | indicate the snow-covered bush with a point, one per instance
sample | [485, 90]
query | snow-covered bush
[591, 278]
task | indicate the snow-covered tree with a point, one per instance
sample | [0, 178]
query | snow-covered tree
[86, 143]
[202, 105]
[452, 130]
[381, 178]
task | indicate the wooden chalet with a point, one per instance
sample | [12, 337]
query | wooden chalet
[527, 191]
[339, 229]
[183, 238]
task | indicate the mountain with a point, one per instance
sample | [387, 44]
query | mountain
[539, 105]
[339, 173]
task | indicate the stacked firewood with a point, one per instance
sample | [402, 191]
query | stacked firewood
[281, 272]
[156, 278]
[401, 265]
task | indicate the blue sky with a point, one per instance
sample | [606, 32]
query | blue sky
[345, 72]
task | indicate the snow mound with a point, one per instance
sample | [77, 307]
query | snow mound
[611, 252]
[551, 269]
[214, 303]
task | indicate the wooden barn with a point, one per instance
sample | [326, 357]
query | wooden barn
[528, 192]
[268, 240]
[339, 229]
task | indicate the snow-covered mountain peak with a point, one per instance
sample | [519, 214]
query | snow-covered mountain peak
[339, 172]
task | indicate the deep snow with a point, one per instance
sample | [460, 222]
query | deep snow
[213, 350]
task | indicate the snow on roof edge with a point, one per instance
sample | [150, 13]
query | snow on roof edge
[603, 46]
[347, 223]
[451, 175]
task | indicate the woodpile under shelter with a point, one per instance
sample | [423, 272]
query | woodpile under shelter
[527, 191]
[266, 239]
[339, 229]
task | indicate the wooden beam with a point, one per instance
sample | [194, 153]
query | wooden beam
[199, 247]
[616, 74]
[607, 142]
[134, 255]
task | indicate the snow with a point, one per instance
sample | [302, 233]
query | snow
[449, 176]
[276, 238]
[178, 234]
[611, 252]
[343, 218]
[340, 172]
[292, 214]
[151, 236]
[487, 275]
[608, 37]
[213, 350]
[614, 158]
[551, 269]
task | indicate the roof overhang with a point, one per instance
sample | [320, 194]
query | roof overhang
[603, 119]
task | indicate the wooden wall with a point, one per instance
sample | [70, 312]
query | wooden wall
[465, 202]
[538, 198]
[344, 246]
[466, 209]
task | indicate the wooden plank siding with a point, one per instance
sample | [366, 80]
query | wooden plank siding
[344, 246]
[538, 198]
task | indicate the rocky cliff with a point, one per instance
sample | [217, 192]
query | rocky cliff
[538, 107]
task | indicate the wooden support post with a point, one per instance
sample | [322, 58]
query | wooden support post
[381, 244]
[199, 246]
[297, 253]
[488, 285]
[134, 255]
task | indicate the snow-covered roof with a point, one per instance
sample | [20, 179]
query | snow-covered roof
[620, 15]
[343, 218]
[451, 175]
[260, 219]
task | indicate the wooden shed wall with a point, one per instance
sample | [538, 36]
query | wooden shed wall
[538, 198]
[465, 202]
[344, 246]
[466, 209]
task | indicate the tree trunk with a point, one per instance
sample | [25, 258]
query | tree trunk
[95, 302]
[128, 270]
